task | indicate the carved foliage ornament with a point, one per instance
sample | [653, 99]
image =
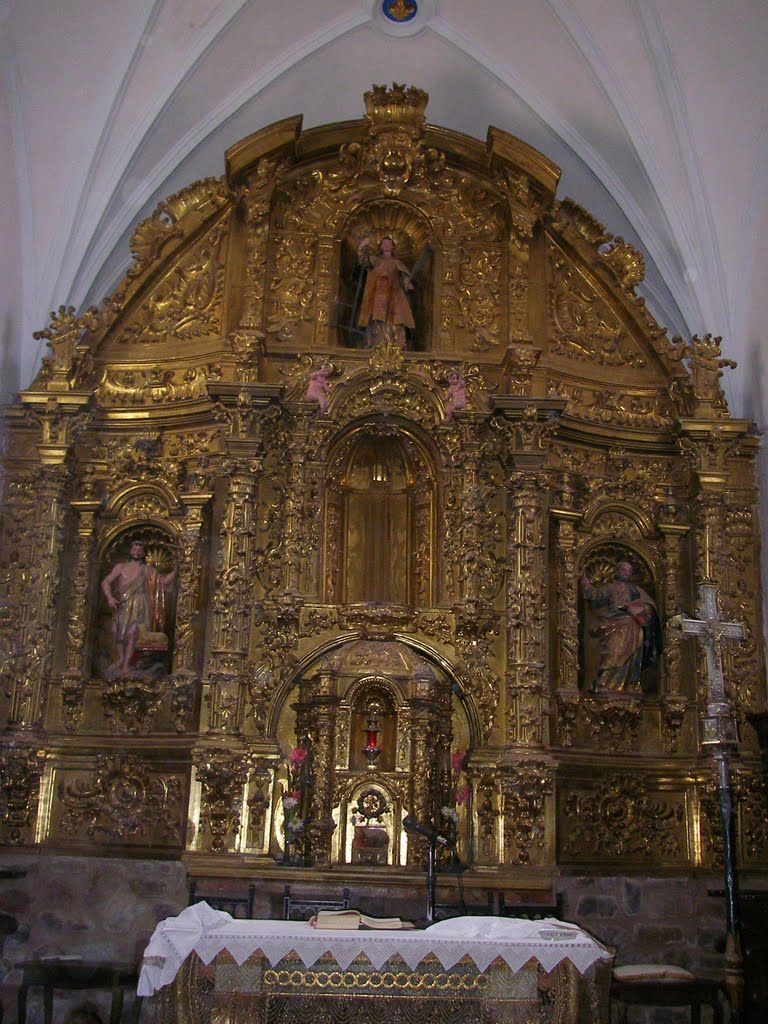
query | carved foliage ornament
[584, 326]
[187, 302]
[126, 800]
[20, 770]
[620, 819]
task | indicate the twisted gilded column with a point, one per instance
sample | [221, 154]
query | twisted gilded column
[422, 760]
[322, 713]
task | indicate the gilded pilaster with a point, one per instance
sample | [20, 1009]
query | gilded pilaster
[567, 679]
[244, 411]
[190, 571]
[525, 427]
[33, 584]
[77, 654]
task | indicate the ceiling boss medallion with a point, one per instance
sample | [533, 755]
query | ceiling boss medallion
[402, 17]
[399, 11]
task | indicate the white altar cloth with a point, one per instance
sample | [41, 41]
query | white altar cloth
[208, 932]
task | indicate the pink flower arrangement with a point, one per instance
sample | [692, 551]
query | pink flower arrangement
[297, 757]
[460, 793]
[292, 795]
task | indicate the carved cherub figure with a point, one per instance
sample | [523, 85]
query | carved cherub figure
[317, 388]
[457, 394]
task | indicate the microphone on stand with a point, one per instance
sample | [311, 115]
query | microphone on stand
[430, 834]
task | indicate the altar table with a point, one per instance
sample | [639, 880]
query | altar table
[212, 969]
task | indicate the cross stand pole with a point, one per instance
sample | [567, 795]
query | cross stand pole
[431, 880]
[721, 738]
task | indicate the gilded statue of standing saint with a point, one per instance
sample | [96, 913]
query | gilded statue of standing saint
[622, 634]
[385, 312]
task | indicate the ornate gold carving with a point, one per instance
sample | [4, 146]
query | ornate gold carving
[643, 411]
[525, 787]
[625, 261]
[125, 800]
[72, 697]
[575, 220]
[183, 687]
[70, 362]
[173, 218]
[706, 367]
[396, 124]
[292, 288]
[519, 363]
[621, 819]
[753, 815]
[259, 801]
[20, 771]
[145, 387]
[568, 703]
[131, 704]
[187, 303]
[240, 481]
[476, 631]
[387, 358]
[479, 298]
[584, 326]
[222, 775]
[614, 721]
[673, 716]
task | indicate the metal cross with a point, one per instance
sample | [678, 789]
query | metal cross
[719, 734]
[719, 724]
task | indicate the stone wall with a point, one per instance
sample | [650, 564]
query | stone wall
[95, 908]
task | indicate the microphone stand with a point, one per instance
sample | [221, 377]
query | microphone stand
[431, 844]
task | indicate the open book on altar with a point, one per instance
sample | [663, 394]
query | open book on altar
[350, 920]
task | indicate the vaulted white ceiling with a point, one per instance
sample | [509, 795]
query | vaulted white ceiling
[655, 110]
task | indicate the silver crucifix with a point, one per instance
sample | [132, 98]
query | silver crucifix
[719, 723]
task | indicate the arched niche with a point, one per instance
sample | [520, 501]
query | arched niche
[421, 723]
[379, 519]
[601, 636]
[414, 246]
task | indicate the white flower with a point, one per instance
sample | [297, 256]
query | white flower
[450, 812]
[289, 802]
[296, 826]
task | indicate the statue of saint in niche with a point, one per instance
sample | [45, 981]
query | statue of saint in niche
[380, 299]
[137, 596]
[385, 312]
[622, 632]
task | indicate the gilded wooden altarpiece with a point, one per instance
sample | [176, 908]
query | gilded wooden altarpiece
[373, 551]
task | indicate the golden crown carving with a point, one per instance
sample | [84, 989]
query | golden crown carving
[398, 107]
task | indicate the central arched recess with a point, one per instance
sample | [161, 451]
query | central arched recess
[379, 515]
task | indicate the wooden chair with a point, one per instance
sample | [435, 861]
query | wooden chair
[301, 908]
[238, 905]
[664, 985]
[69, 974]
[462, 909]
[531, 911]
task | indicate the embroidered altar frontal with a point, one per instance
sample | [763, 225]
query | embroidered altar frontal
[291, 993]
